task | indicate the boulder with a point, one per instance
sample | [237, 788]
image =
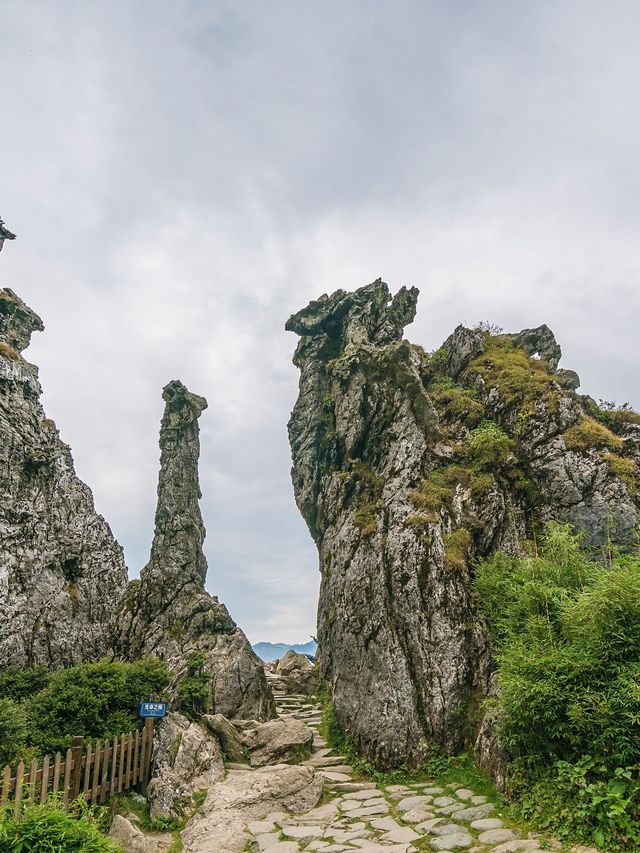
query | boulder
[219, 825]
[297, 673]
[278, 741]
[186, 758]
[132, 840]
[227, 734]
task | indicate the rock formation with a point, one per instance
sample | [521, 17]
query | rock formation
[408, 465]
[167, 613]
[297, 674]
[61, 570]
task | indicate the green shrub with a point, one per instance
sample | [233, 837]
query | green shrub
[97, 700]
[52, 828]
[566, 636]
[488, 446]
[13, 731]
[589, 434]
[18, 682]
[522, 381]
[456, 402]
[625, 469]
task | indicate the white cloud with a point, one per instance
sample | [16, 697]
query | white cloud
[183, 176]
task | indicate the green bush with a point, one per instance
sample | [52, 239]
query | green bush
[51, 828]
[566, 636]
[488, 446]
[97, 700]
[13, 731]
[19, 682]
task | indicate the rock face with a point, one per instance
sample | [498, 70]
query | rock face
[61, 570]
[168, 613]
[297, 673]
[408, 465]
[219, 826]
[186, 758]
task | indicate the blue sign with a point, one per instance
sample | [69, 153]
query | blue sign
[152, 709]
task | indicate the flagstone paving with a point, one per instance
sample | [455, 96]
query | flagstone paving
[364, 816]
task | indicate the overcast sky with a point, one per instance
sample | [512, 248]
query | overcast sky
[183, 175]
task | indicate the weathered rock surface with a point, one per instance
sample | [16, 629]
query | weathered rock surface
[167, 612]
[220, 824]
[186, 758]
[297, 673]
[227, 734]
[133, 840]
[408, 465]
[61, 570]
[278, 741]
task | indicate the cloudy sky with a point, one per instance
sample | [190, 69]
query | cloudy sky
[184, 175]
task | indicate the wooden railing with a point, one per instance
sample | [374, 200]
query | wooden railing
[95, 772]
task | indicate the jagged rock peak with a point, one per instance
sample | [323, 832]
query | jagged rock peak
[17, 321]
[407, 466]
[61, 570]
[168, 613]
[368, 315]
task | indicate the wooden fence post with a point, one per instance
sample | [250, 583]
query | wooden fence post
[147, 747]
[77, 748]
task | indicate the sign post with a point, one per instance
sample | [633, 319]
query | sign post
[149, 711]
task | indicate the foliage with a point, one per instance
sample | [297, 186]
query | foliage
[18, 682]
[97, 700]
[488, 446]
[615, 415]
[53, 828]
[456, 402]
[522, 381]
[434, 494]
[193, 691]
[566, 635]
[456, 548]
[13, 731]
[625, 469]
[589, 434]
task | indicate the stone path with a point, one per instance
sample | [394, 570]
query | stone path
[369, 817]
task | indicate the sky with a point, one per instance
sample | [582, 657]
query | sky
[184, 175]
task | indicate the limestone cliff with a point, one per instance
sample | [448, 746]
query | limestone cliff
[408, 465]
[61, 571]
[167, 612]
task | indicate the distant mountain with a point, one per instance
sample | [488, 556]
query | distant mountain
[274, 651]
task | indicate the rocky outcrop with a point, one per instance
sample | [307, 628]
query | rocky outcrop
[168, 613]
[408, 465]
[61, 570]
[220, 824]
[186, 758]
[297, 674]
[278, 741]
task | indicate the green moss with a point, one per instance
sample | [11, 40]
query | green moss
[522, 381]
[366, 517]
[590, 434]
[456, 548]
[433, 495]
[454, 402]
[489, 446]
[625, 469]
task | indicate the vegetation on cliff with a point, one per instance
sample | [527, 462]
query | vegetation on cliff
[565, 632]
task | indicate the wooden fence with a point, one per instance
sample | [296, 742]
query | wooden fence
[95, 772]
